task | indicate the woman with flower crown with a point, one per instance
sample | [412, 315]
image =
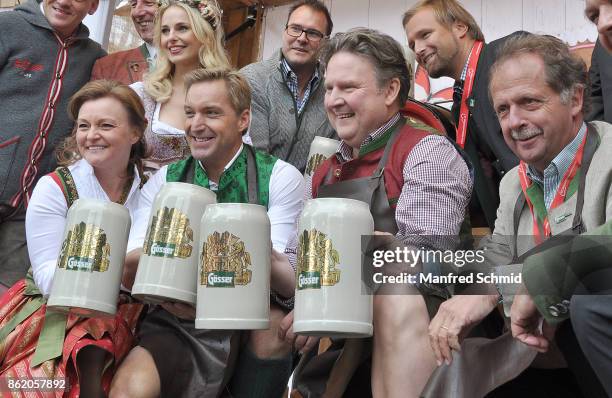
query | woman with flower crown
[189, 35]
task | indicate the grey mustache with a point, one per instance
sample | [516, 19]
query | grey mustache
[525, 133]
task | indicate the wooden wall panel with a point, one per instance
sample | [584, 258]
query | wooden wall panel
[500, 18]
[272, 38]
[475, 8]
[577, 28]
[574, 15]
[234, 19]
[349, 14]
[544, 16]
[497, 18]
[387, 17]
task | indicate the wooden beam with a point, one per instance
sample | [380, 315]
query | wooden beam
[234, 18]
[243, 48]
[233, 4]
[251, 42]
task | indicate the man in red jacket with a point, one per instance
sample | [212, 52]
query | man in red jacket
[130, 65]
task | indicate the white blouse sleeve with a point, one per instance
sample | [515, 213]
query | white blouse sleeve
[45, 222]
[285, 203]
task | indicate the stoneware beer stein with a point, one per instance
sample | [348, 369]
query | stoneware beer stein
[330, 296]
[169, 260]
[88, 274]
[320, 149]
[234, 268]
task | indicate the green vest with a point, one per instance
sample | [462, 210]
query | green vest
[232, 187]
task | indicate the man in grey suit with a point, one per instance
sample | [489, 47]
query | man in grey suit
[561, 187]
[574, 281]
[288, 89]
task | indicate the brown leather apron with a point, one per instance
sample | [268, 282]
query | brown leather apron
[313, 371]
[370, 190]
[200, 361]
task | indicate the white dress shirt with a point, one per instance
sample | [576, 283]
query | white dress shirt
[284, 204]
[46, 218]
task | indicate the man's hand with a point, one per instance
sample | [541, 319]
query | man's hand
[454, 320]
[180, 310]
[303, 344]
[525, 322]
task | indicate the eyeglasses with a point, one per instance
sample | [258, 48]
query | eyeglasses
[311, 34]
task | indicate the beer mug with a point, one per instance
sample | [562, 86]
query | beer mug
[89, 268]
[234, 268]
[168, 263]
[320, 149]
[330, 296]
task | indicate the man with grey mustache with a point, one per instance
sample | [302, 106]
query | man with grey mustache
[563, 185]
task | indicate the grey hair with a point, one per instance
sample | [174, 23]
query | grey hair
[564, 72]
[383, 51]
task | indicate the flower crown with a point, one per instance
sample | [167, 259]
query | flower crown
[208, 9]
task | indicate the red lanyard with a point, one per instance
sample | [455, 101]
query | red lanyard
[468, 85]
[559, 195]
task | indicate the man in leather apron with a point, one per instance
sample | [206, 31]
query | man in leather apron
[416, 183]
[560, 188]
[173, 358]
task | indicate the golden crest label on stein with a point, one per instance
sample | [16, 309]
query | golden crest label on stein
[85, 249]
[313, 162]
[169, 235]
[316, 261]
[225, 261]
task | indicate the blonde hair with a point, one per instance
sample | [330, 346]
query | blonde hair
[238, 89]
[447, 12]
[158, 83]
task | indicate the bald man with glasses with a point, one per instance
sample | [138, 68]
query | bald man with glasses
[288, 91]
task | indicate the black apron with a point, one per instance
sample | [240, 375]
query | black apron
[201, 361]
[370, 190]
[313, 371]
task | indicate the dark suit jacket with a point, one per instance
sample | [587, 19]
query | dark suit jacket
[485, 144]
[126, 67]
[600, 75]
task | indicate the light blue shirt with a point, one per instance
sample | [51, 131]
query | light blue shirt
[554, 172]
[292, 84]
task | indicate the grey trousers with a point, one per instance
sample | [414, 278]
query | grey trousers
[14, 260]
[591, 317]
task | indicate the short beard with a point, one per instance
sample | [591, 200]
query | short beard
[446, 62]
